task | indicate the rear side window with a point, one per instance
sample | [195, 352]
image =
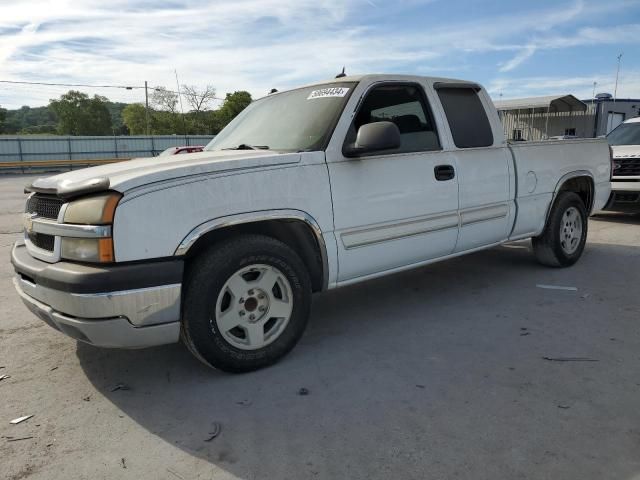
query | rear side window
[467, 117]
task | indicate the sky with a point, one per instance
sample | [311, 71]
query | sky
[515, 49]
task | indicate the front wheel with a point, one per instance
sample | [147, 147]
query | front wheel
[246, 303]
[563, 239]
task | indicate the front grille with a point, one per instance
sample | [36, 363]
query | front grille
[42, 241]
[626, 167]
[45, 206]
[627, 197]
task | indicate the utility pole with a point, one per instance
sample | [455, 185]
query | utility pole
[146, 103]
[615, 91]
[184, 124]
[593, 101]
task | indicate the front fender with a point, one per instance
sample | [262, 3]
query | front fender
[156, 223]
[260, 216]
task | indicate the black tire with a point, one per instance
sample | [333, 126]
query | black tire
[548, 247]
[207, 275]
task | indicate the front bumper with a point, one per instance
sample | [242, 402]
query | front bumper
[121, 306]
[625, 197]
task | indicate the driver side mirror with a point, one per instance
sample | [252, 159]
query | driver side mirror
[373, 137]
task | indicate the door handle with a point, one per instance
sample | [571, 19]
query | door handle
[444, 172]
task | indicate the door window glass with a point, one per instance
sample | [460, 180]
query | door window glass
[405, 106]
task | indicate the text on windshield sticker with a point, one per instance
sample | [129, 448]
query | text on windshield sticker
[328, 92]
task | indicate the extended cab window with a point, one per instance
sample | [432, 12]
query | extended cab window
[403, 105]
[467, 117]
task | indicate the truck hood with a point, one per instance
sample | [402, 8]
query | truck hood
[133, 173]
[625, 151]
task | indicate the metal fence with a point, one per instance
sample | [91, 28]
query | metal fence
[26, 153]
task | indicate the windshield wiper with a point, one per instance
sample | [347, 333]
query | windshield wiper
[245, 146]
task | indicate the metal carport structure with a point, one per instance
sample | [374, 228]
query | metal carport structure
[552, 104]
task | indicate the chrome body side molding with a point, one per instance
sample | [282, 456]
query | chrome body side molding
[563, 179]
[483, 214]
[371, 235]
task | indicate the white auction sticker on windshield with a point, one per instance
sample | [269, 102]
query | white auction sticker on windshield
[328, 92]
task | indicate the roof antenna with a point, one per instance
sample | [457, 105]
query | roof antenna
[273, 90]
[341, 74]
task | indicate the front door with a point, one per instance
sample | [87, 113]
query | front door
[399, 207]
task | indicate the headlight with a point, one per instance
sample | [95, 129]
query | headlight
[98, 250]
[94, 210]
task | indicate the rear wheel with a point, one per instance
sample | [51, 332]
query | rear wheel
[246, 303]
[562, 241]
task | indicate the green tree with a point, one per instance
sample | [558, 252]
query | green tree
[134, 116]
[166, 123]
[233, 104]
[80, 115]
[38, 130]
[199, 101]
[166, 120]
[100, 116]
[25, 119]
[163, 99]
[3, 116]
[117, 124]
[213, 122]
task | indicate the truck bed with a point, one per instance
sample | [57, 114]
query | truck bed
[541, 167]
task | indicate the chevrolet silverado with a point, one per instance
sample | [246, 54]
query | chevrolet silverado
[306, 190]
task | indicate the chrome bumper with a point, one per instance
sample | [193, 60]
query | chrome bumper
[622, 186]
[142, 307]
[100, 319]
[122, 306]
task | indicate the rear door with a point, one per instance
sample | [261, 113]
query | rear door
[392, 208]
[483, 165]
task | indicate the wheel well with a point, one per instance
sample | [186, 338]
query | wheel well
[583, 186]
[294, 233]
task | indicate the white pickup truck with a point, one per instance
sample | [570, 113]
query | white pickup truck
[625, 182]
[306, 190]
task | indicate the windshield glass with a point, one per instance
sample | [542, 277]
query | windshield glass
[625, 134]
[292, 121]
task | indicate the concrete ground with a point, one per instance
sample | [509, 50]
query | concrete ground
[437, 373]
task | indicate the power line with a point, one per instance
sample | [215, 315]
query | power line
[124, 87]
[27, 94]
[7, 87]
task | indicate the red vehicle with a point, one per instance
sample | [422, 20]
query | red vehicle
[179, 150]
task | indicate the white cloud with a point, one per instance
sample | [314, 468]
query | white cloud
[520, 57]
[580, 86]
[257, 44]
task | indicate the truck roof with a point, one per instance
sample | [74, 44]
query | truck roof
[378, 77]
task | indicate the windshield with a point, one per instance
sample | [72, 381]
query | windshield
[625, 134]
[293, 121]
